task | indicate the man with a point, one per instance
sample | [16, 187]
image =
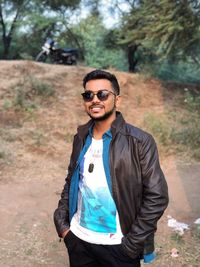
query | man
[115, 190]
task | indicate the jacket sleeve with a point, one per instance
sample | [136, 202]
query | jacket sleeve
[154, 199]
[61, 214]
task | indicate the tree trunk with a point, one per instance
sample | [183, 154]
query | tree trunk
[132, 60]
[7, 35]
[6, 44]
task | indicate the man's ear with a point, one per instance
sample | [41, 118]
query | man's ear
[118, 100]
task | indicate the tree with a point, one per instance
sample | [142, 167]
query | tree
[113, 38]
[16, 14]
[170, 29]
[93, 39]
[61, 5]
[28, 43]
[10, 14]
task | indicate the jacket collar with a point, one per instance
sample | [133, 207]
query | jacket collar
[116, 126]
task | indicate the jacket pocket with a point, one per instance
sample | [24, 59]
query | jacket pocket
[70, 241]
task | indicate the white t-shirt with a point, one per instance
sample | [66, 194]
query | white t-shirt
[96, 220]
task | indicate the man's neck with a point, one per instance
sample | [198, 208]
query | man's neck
[100, 127]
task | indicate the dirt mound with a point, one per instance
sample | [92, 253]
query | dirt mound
[40, 125]
[40, 109]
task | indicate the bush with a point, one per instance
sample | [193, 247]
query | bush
[39, 87]
[189, 132]
[185, 72]
[180, 132]
[28, 89]
[159, 127]
[192, 99]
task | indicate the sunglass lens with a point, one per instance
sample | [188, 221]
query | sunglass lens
[103, 95]
[88, 96]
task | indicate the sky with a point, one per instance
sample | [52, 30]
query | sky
[109, 20]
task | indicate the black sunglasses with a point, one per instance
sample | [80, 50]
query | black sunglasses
[101, 94]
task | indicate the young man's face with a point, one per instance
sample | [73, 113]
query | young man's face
[98, 109]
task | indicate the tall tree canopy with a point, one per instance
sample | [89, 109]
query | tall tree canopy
[167, 28]
[11, 12]
[61, 4]
[16, 13]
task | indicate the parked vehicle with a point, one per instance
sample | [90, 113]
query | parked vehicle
[56, 54]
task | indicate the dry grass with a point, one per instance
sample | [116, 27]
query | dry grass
[36, 141]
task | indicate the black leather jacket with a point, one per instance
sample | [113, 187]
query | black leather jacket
[138, 185]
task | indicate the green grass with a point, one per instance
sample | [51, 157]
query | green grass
[180, 71]
[178, 131]
[178, 128]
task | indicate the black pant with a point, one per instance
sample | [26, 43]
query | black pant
[84, 254]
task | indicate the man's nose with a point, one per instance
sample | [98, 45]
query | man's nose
[95, 99]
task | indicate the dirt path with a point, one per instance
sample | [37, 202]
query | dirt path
[35, 151]
[28, 237]
[184, 188]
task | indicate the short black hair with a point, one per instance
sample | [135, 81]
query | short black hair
[101, 74]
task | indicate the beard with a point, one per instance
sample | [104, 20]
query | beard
[103, 117]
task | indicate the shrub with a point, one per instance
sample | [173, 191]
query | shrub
[39, 87]
[192, 99]
[180, 132]
[29, 88]
[159, 127]
[178, 71]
